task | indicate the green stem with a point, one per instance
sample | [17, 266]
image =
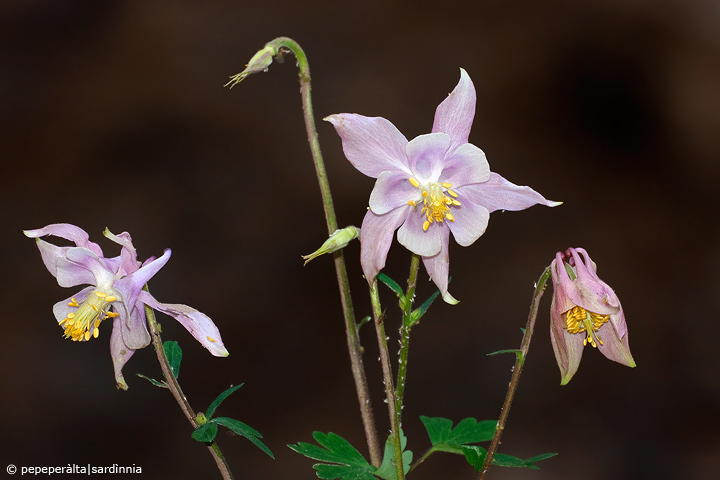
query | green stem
[353, 342]
[405, 335]
[177, 392]
[517, 370]
[390, 392]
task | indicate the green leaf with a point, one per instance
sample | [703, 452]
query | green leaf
[537, 458]
[517, 352]
[387, 469]
[467, 431]
[153, 381]
[393, 285]
[475, 455]
[219, 399]
[173, 352]
[502, 460]
[349, 464]
[417, 314]
[245, 431]
[205, 433]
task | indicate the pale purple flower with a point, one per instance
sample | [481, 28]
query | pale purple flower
[584, 310]
[429, 187]
[114, 291]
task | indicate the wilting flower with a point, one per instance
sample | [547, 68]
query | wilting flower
[115, 292]
[584, 310]
[429, 187]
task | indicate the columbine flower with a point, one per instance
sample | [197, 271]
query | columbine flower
[115, 292]
[584, 310]
[429, 187]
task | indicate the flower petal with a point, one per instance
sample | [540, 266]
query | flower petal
[69, 232]
[392, 190]
[61, 308]
[133, 327]
[376, 234]
[499, 194]
[197, 323]
[466, 165]
[130, 286]
[128, 254]
[81, 266]
[372, 144]
[423, 243]
[454, 115]
[438, 267]
[119, 352]
[426, 155]
[470, 222]
[568, 347]
[614, 345]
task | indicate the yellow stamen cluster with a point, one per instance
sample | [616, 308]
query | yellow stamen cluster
[84, 322]
[436, 205]
[580, 320]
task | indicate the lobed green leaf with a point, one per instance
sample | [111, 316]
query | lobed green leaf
[387, 469]
[205, 433]
[349, 464]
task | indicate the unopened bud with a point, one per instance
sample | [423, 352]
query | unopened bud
[339, 239]
[258, 63]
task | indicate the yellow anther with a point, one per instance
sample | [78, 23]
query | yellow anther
[452, 193]
[436, 204]
[111, 314]
[211, 339]
[110, 298]
[94, 307]
[579, 320]
[87, 336]
[446, 185]
[414, 182]
[424, 193]
[456, 203]
[101, 294]
[73, 303]
[412, 203]
[96, 332]
[450, 216]
[97, 323]
[426, 225]
[70, 315]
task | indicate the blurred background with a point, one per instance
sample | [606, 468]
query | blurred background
[113, 114]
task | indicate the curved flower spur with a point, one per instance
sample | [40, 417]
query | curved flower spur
[428, 187]
[115, 292]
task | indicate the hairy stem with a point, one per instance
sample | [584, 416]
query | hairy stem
[284, 44]
[405, 335]
[517, 370]
[177, 392]
[390, 393]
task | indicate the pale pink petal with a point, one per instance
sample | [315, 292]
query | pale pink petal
[615, 346]
[61, 308]
[424, 243]
[81, 266]
[426, 155]
[372, 144]
[376, 235]
[568, 347]
[438, 267]
[454, 115]
[470, 222]
[392, 190]
[69, 232]
[197, 323]
[466, 165]
[499, 194]
[119, 352]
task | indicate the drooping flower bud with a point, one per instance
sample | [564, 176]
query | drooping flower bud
[585, 310]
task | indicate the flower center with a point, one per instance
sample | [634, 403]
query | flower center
[580, 320]
[79, 324]
[436, 205]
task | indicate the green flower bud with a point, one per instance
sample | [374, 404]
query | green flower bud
[339, 239]
[258, 63]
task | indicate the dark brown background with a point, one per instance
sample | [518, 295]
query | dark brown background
[113, 114]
